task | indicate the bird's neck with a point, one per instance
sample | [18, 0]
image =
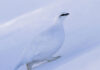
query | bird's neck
[60, 20]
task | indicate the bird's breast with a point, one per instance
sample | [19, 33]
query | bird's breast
[49, 41]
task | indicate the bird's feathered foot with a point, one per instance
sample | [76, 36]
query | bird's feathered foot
[35, 64]
[28, 67]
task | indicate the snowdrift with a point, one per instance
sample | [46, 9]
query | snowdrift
[81, 46]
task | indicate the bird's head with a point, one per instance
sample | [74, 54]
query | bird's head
[64, 15]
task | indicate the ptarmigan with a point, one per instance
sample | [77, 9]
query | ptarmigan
[33, 37]
[46, 43]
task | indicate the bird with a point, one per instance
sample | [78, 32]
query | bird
[37, 36]
[50, 40]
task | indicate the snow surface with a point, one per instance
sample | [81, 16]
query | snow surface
[81, 46]
[13, 8]
[19, 37]
[82, 30]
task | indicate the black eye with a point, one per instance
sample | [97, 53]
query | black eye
[64, 14]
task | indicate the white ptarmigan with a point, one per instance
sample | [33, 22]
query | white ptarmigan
[33, 37]
[46, 43]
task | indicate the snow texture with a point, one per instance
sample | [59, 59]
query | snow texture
[82, 35]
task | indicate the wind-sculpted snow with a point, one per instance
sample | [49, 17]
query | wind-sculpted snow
[90, 60]
[21, 37]
[82, 32]
[10, 9]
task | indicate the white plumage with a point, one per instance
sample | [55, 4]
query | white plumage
[35, 36]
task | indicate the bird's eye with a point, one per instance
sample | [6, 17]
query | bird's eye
[64, 14]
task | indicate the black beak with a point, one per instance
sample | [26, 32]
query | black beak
[64, 14]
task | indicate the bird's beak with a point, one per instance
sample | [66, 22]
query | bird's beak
[64, 14]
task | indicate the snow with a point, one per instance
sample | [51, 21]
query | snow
[19, 36]
[87, 61]
[82, 42]
[14, 8]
